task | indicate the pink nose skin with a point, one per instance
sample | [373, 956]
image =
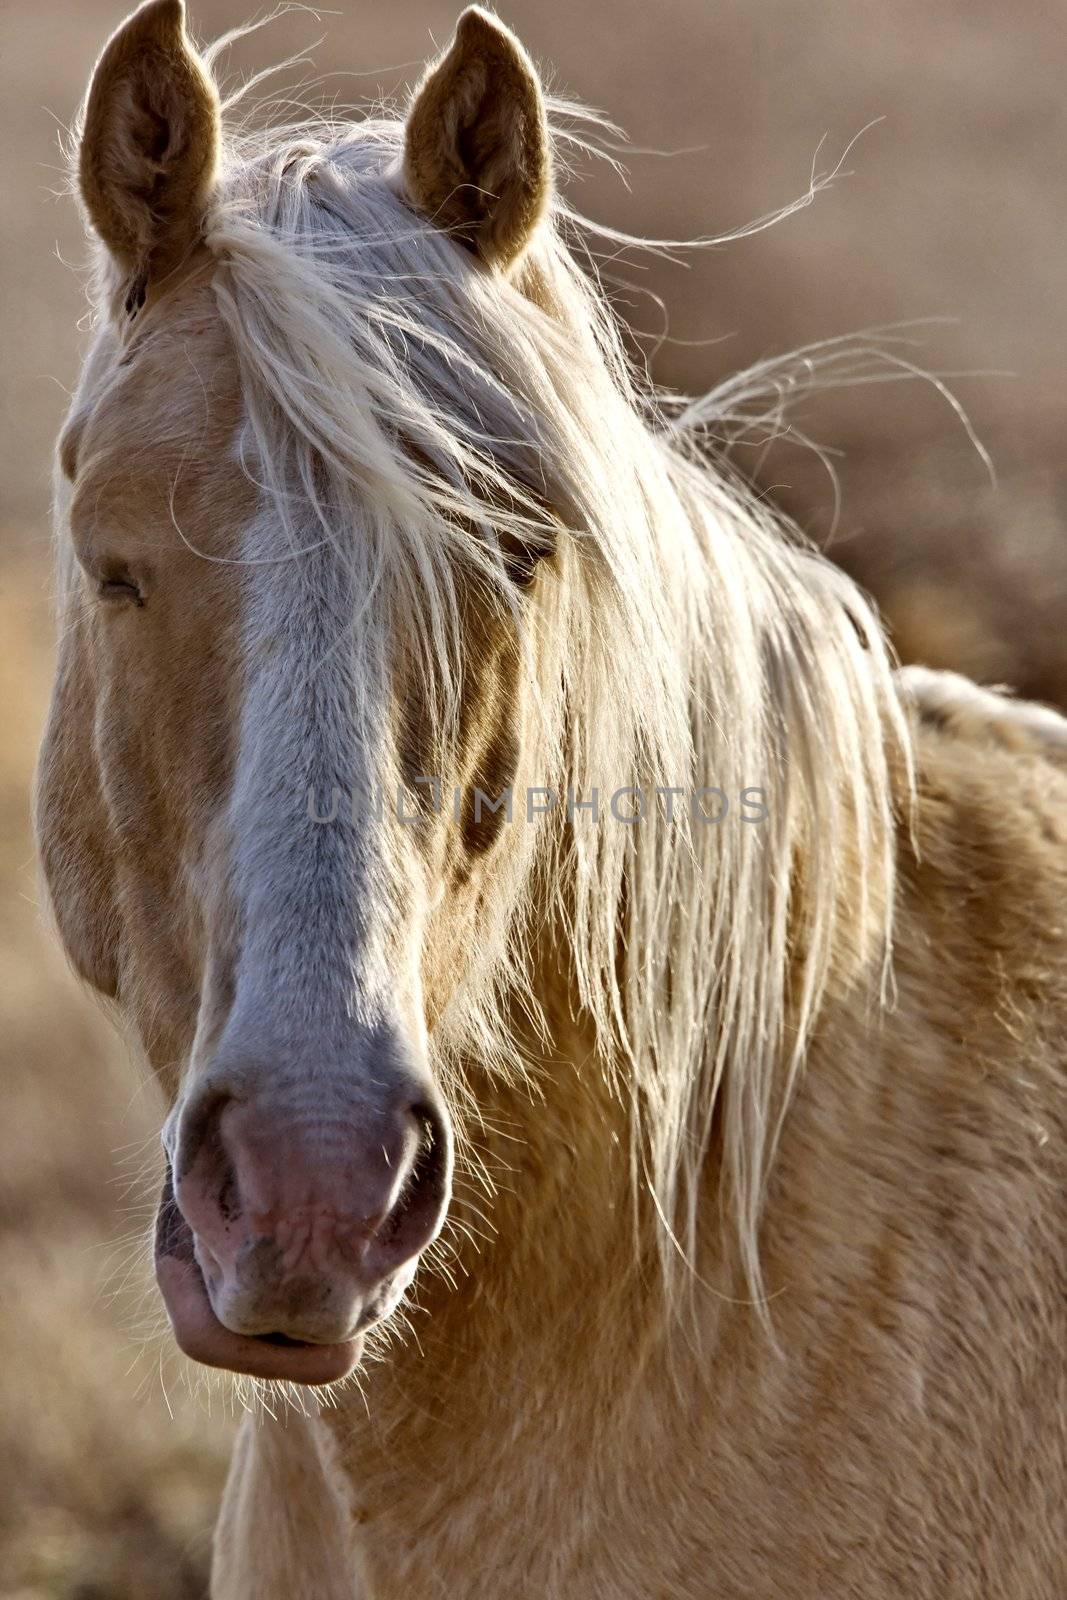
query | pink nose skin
[289, 1230]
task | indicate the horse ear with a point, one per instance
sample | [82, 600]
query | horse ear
[149, 141]
[477, 159]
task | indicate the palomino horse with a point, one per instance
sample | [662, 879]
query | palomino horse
[514, 853]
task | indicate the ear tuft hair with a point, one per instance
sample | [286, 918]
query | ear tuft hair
[150, 140]
[477, 157]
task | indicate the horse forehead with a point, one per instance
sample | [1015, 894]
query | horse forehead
[178, 386]
[163, 423]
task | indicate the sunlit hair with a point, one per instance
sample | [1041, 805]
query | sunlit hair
[679, 636]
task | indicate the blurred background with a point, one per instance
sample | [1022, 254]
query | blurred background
[948, 215]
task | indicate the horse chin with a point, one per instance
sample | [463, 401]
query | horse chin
[200, 1334]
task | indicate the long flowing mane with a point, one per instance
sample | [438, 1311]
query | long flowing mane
[682, 636]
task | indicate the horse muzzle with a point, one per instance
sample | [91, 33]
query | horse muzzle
[288, 1228]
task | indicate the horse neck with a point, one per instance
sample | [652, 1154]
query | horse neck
[554, 1278]
[556, 1144]
[545, 1231]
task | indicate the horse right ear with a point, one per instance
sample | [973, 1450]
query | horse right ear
[477, 158]
[149, 142]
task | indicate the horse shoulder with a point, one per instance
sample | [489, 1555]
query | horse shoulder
[915, 1238]
[976, 1039]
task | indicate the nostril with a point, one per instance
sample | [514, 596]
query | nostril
[433, 1156]
[428, 1119]
[200, 1131]
[205, 1178]
[419, 1209]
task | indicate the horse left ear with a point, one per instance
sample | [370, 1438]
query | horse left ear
[477, 158]
[149, 142]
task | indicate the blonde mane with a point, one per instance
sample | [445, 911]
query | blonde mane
[682, 636]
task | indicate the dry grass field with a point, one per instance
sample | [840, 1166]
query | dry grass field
[954, 209]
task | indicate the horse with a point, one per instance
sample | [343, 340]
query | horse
[612, 1021]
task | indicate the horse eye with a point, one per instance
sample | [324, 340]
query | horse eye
[120, 590]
